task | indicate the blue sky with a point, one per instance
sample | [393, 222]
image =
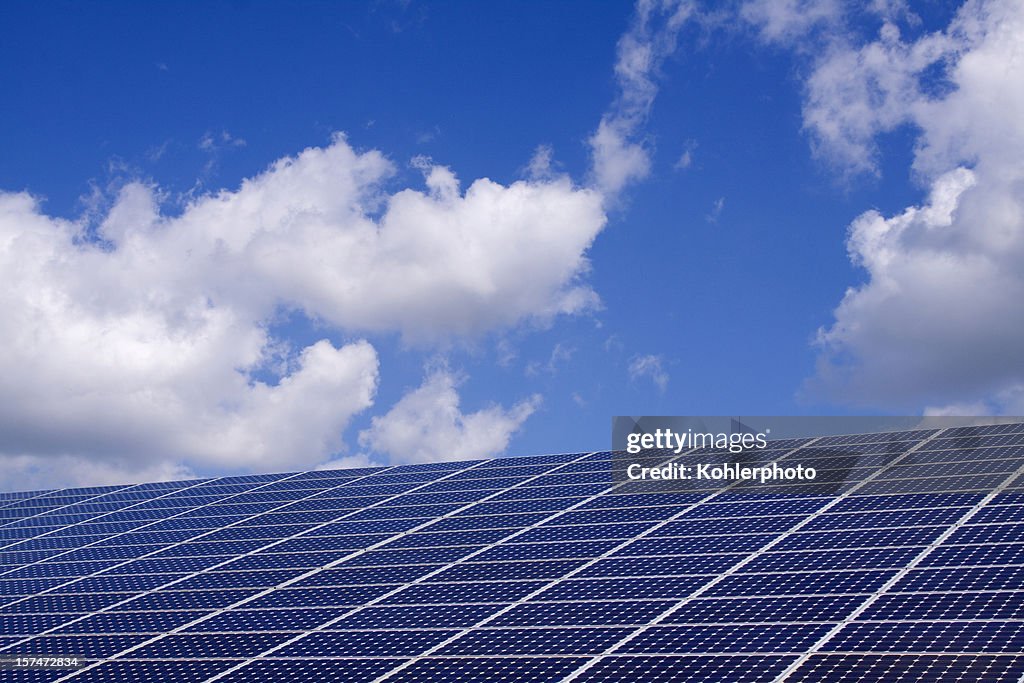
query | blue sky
[173, 279]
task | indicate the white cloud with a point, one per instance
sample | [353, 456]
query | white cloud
[649, 366]
[427, 425]
[618, 157]
[139, 338]
[857, 92]
[435, 264]
[540, 166]
[613, 344]
[140, 352]
[686, 158]
[716, 210]
[856, 89]
[957, 409]
[939, 320]
[784, 21]
[561, 354]
[1009, 401]
[348, 462]
[505, 353]
[215, 143]
[892, 10]
[32, 472]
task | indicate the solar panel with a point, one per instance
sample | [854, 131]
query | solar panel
[903, 561]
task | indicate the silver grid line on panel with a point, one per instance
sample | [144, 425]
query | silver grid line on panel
[878, 517]
[162, 548]
[170, 583]
[410, 583]
[288, 582]
[744, 561]
[8, 548]
[568, 575]
[13, 502]
[49, 511]
[952, 528]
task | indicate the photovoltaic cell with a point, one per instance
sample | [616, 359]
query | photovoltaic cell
[313, 669]
[911, 667]
[664, 669]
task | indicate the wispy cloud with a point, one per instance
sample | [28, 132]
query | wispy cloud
[649, 367]
[619, 157]
[716, 210]
[560, 355]
[685, 160]
[223, 140]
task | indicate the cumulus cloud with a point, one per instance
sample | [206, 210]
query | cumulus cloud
[436, 263]
[939, 320]
[618, 156]
[139, 343]
[650, 367]
[139, 347]
[856, 89]
[858, 92]
[427, 425]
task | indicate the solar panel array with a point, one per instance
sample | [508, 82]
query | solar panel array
[904, 560]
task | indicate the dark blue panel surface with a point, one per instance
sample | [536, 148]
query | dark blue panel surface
[541, 641]
[662, 669]
[917, 667]
[312, 669]
[726, 638]
[365, 643]
[539, 669]
[969, 637]
[481, 571]
[823, 608]
[626, 613]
